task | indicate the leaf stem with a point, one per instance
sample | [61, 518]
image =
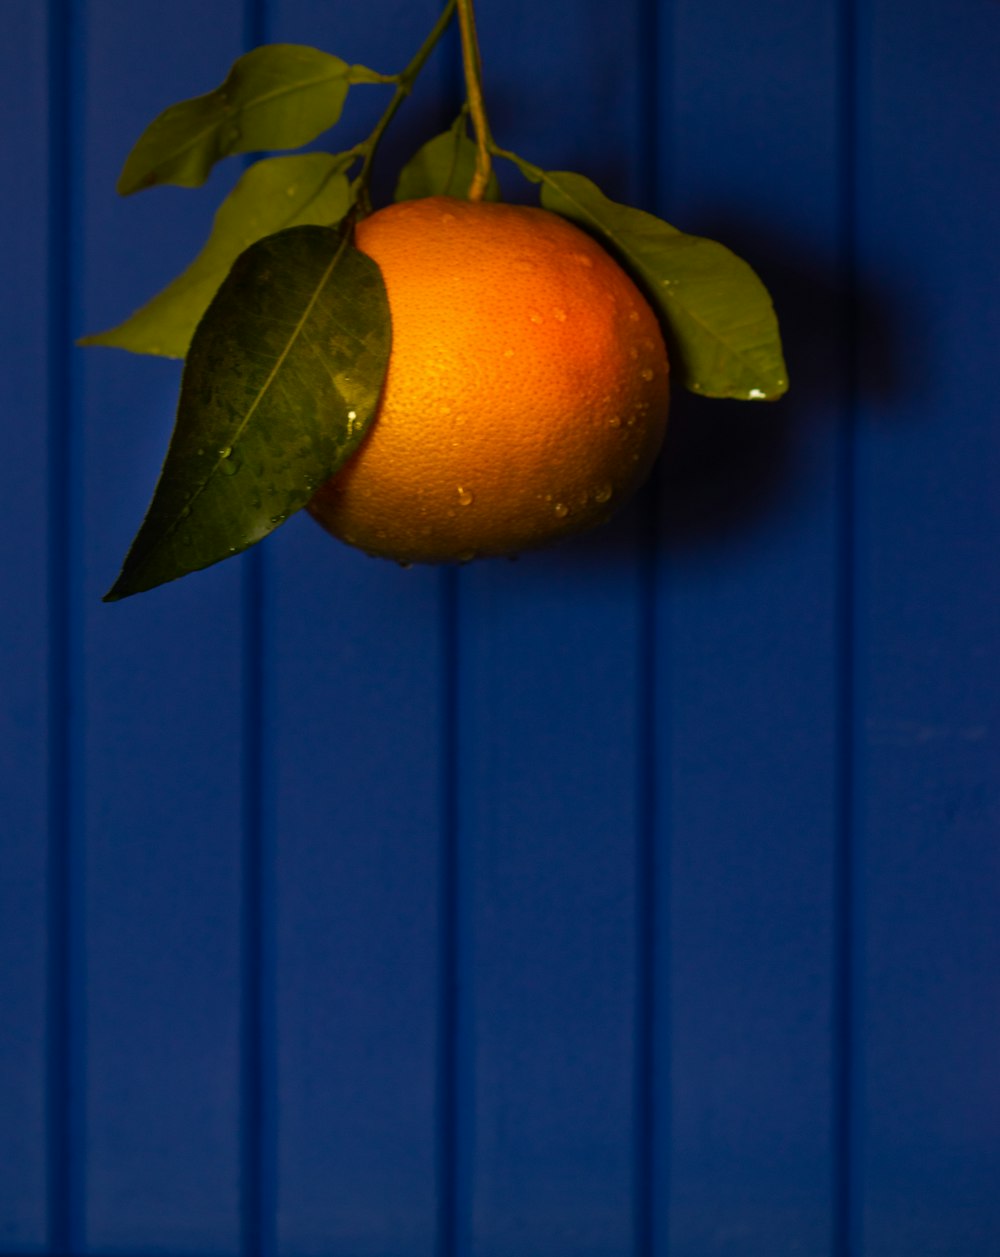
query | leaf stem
[404, 85]
[473, 66]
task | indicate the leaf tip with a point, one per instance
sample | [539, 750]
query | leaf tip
[126, 583]
[772, 394]
[102, 340]
[778, 390]
[130, 582]
[127, 183]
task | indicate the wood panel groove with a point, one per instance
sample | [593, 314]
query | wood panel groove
[66, 682]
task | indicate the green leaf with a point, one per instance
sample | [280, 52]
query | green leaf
[444, 166]
[281, 382]
[277, 96]
[720, 322]
[275, 193]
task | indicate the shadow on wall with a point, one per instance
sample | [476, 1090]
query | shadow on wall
[730, 468]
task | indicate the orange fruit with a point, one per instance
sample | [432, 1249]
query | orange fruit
[527, 390]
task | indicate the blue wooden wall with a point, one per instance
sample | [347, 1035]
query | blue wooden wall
[640, 897]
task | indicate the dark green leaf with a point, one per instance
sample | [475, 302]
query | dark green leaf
[444, 166]
[281, 382]
[273, 194]
[720, 322]
[277, 96]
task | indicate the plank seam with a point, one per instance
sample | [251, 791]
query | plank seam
[448, 1133]
[65, 1040]
[845, 1203]
[649, 1095]
[257, 1204]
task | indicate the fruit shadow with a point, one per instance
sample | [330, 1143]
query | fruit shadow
[731, 468]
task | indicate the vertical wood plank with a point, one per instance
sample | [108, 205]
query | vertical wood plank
[163, 797]
[357, 806]
[748, 733]
[929, 622]
[24, 633]
[549, 763]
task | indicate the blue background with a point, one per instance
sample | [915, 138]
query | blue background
[637, 897]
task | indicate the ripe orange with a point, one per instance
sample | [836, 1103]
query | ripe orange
[527, 390]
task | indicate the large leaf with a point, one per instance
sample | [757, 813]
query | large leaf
[273, 194]
[281, 382]
[444, 166]
[277, 96]
[719, 317]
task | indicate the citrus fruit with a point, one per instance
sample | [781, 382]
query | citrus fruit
[527, 389]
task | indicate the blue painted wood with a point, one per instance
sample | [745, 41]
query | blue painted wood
[24, 638]
[357, 747]
[162, 824]
[749, 702]
[637, 896]
[928, 804]
[548, 766]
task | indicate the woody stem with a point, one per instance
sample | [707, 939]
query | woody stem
[473, 67]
